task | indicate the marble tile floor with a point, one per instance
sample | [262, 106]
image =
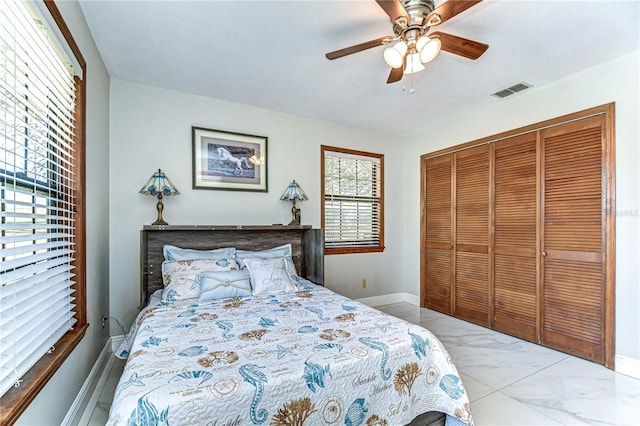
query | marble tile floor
[509, 381]
[97, 411]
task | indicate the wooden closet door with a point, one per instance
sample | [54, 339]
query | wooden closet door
[437, 253]
[573, 286]
[515, 237]
[471, 205]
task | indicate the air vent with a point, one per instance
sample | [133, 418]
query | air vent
[512, 90]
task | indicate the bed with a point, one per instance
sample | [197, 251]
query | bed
[299, 356]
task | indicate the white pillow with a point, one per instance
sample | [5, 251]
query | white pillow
[223, 285]
[280, 251]
[269, 275]
[179, 277]
[174, 253]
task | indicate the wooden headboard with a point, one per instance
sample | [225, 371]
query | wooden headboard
[307, 247]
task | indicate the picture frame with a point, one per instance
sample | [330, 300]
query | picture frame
[229, 161]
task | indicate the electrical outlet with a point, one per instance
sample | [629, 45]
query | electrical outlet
[364, 283]
[104, 321]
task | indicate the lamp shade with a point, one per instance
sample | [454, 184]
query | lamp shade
[294, 192]
[428, 48]
[159, 183]
[394, 55]
[413, 63]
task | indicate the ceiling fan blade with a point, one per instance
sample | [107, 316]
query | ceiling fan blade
[395, 75]
[461, 46]
[393, 8]
[450, 9]
[358, 47]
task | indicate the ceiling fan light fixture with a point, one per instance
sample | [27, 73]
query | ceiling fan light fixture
[413, 63]
[422, 42]
[428, 48]
[394, 55]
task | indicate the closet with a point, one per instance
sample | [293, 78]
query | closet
[517, 233]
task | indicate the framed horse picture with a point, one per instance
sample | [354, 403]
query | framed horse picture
[229, 161]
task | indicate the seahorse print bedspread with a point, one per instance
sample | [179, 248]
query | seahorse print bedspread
[310, 357]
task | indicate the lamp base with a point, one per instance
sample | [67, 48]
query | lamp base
[159, 207]
[295, 215]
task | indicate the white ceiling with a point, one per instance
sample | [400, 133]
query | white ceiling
[270, 54]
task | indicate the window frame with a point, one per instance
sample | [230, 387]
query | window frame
[380, 184]
[15, 401]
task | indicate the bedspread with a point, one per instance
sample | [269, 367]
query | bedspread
[309, 357]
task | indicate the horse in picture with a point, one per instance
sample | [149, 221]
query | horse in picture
[225, 155]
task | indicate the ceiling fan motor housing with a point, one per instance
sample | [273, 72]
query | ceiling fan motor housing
[411, 29]
[418, 10]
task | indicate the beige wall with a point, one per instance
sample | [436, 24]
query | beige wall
[151, 129]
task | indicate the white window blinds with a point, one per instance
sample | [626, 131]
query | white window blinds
[37, 196]
[352, 200]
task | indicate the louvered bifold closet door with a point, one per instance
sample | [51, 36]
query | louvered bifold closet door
[438, 238]
[572, 256]
[515, 225]
[472, 199]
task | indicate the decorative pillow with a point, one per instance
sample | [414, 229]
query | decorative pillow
[269, 275]
[179, 277]
[280, 251]
[222, 285]
[174, 253]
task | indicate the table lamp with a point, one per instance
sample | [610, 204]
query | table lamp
[293, 193]
[159, 185]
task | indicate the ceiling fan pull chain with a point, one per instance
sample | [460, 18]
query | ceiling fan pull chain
[411, 89]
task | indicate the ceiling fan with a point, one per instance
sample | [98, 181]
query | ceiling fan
[412, 20]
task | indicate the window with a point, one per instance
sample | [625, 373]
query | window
[42, 303]
[352, 200]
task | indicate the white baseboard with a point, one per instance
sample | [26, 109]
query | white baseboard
[627, 366]
[91, 382]
[412, 299]
[387, 299]
[87, 397]
[115, 342]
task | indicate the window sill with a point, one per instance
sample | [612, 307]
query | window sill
[353, 250]
[15, 401]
